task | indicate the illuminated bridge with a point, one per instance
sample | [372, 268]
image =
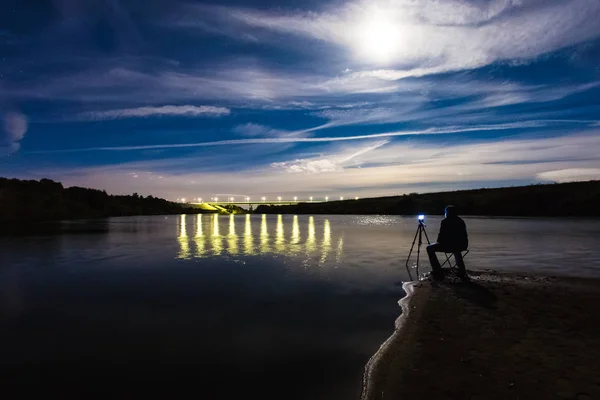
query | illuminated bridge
[262, 200]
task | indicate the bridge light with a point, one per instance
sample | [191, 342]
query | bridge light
[278, 198]
[326, 198]
[310, 198]
[342, 198]
[356, 198]
[247, 198]
[263, 198]
[199, 199]
[216, 199]
[231, 199]
[183, 200]
[295, 198]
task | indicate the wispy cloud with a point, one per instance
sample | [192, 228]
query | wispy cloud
[296, 139]
[327, 164]
[15, 127]
[143, 112]
[253, 130]
[570, 175]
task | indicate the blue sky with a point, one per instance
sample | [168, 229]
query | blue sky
[194, 99]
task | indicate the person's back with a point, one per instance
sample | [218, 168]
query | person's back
[453, 232]
[452, 238]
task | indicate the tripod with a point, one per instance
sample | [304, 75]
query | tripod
[420, 231]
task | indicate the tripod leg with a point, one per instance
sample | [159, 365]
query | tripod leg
[419, 231]
[426, 237]
[409, 253]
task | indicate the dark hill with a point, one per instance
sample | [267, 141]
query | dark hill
[46, 200]
[580, 199]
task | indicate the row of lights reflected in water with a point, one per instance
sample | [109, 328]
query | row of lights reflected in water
[201, 243]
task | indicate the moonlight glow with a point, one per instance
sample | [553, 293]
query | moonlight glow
[378, 39]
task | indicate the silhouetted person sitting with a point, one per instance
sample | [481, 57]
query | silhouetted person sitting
[452, 238]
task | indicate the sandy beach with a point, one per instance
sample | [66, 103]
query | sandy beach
[499, 336]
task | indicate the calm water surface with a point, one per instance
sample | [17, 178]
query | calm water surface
[225, 306]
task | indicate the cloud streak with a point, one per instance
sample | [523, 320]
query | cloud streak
[295, 139]
[570, 175]
[326, 164]
[144, 112]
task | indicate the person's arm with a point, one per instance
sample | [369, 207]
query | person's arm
[442, 234]
[466, 236]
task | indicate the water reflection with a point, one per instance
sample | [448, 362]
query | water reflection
[316, 249]
[248, 239]
[184, 246]
[216, 241]
[310, 240]
[199, 239]
[339, 251]
[326, 246]
[279, 238]
[232, 245]
[264, 235]
[295, 231]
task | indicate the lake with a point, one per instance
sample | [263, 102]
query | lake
[216, 306]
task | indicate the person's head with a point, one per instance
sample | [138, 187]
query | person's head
[450, 211]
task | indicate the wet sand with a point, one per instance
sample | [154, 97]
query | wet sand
[496, 337]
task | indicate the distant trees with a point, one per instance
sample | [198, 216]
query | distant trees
[564, 199]
[46, 200]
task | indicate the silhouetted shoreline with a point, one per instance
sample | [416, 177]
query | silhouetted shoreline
[576, 199]
[45, 200]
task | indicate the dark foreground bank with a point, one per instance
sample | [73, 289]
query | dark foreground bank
[497, 337]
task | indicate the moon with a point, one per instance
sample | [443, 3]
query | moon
[378, 39]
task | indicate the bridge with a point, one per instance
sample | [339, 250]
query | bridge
[263, 200]
[219, 205]
[266, 202]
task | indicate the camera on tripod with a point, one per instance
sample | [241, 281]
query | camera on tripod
[419, 234]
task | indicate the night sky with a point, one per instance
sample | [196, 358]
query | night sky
[291, 98]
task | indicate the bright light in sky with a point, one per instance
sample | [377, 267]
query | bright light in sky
[378, 38]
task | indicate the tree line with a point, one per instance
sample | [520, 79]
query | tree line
[576, 199]
[47, 200]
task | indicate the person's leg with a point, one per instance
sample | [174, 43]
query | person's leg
[436, 268]
[460, 264]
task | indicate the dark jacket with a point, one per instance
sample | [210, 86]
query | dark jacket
[453, 234]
